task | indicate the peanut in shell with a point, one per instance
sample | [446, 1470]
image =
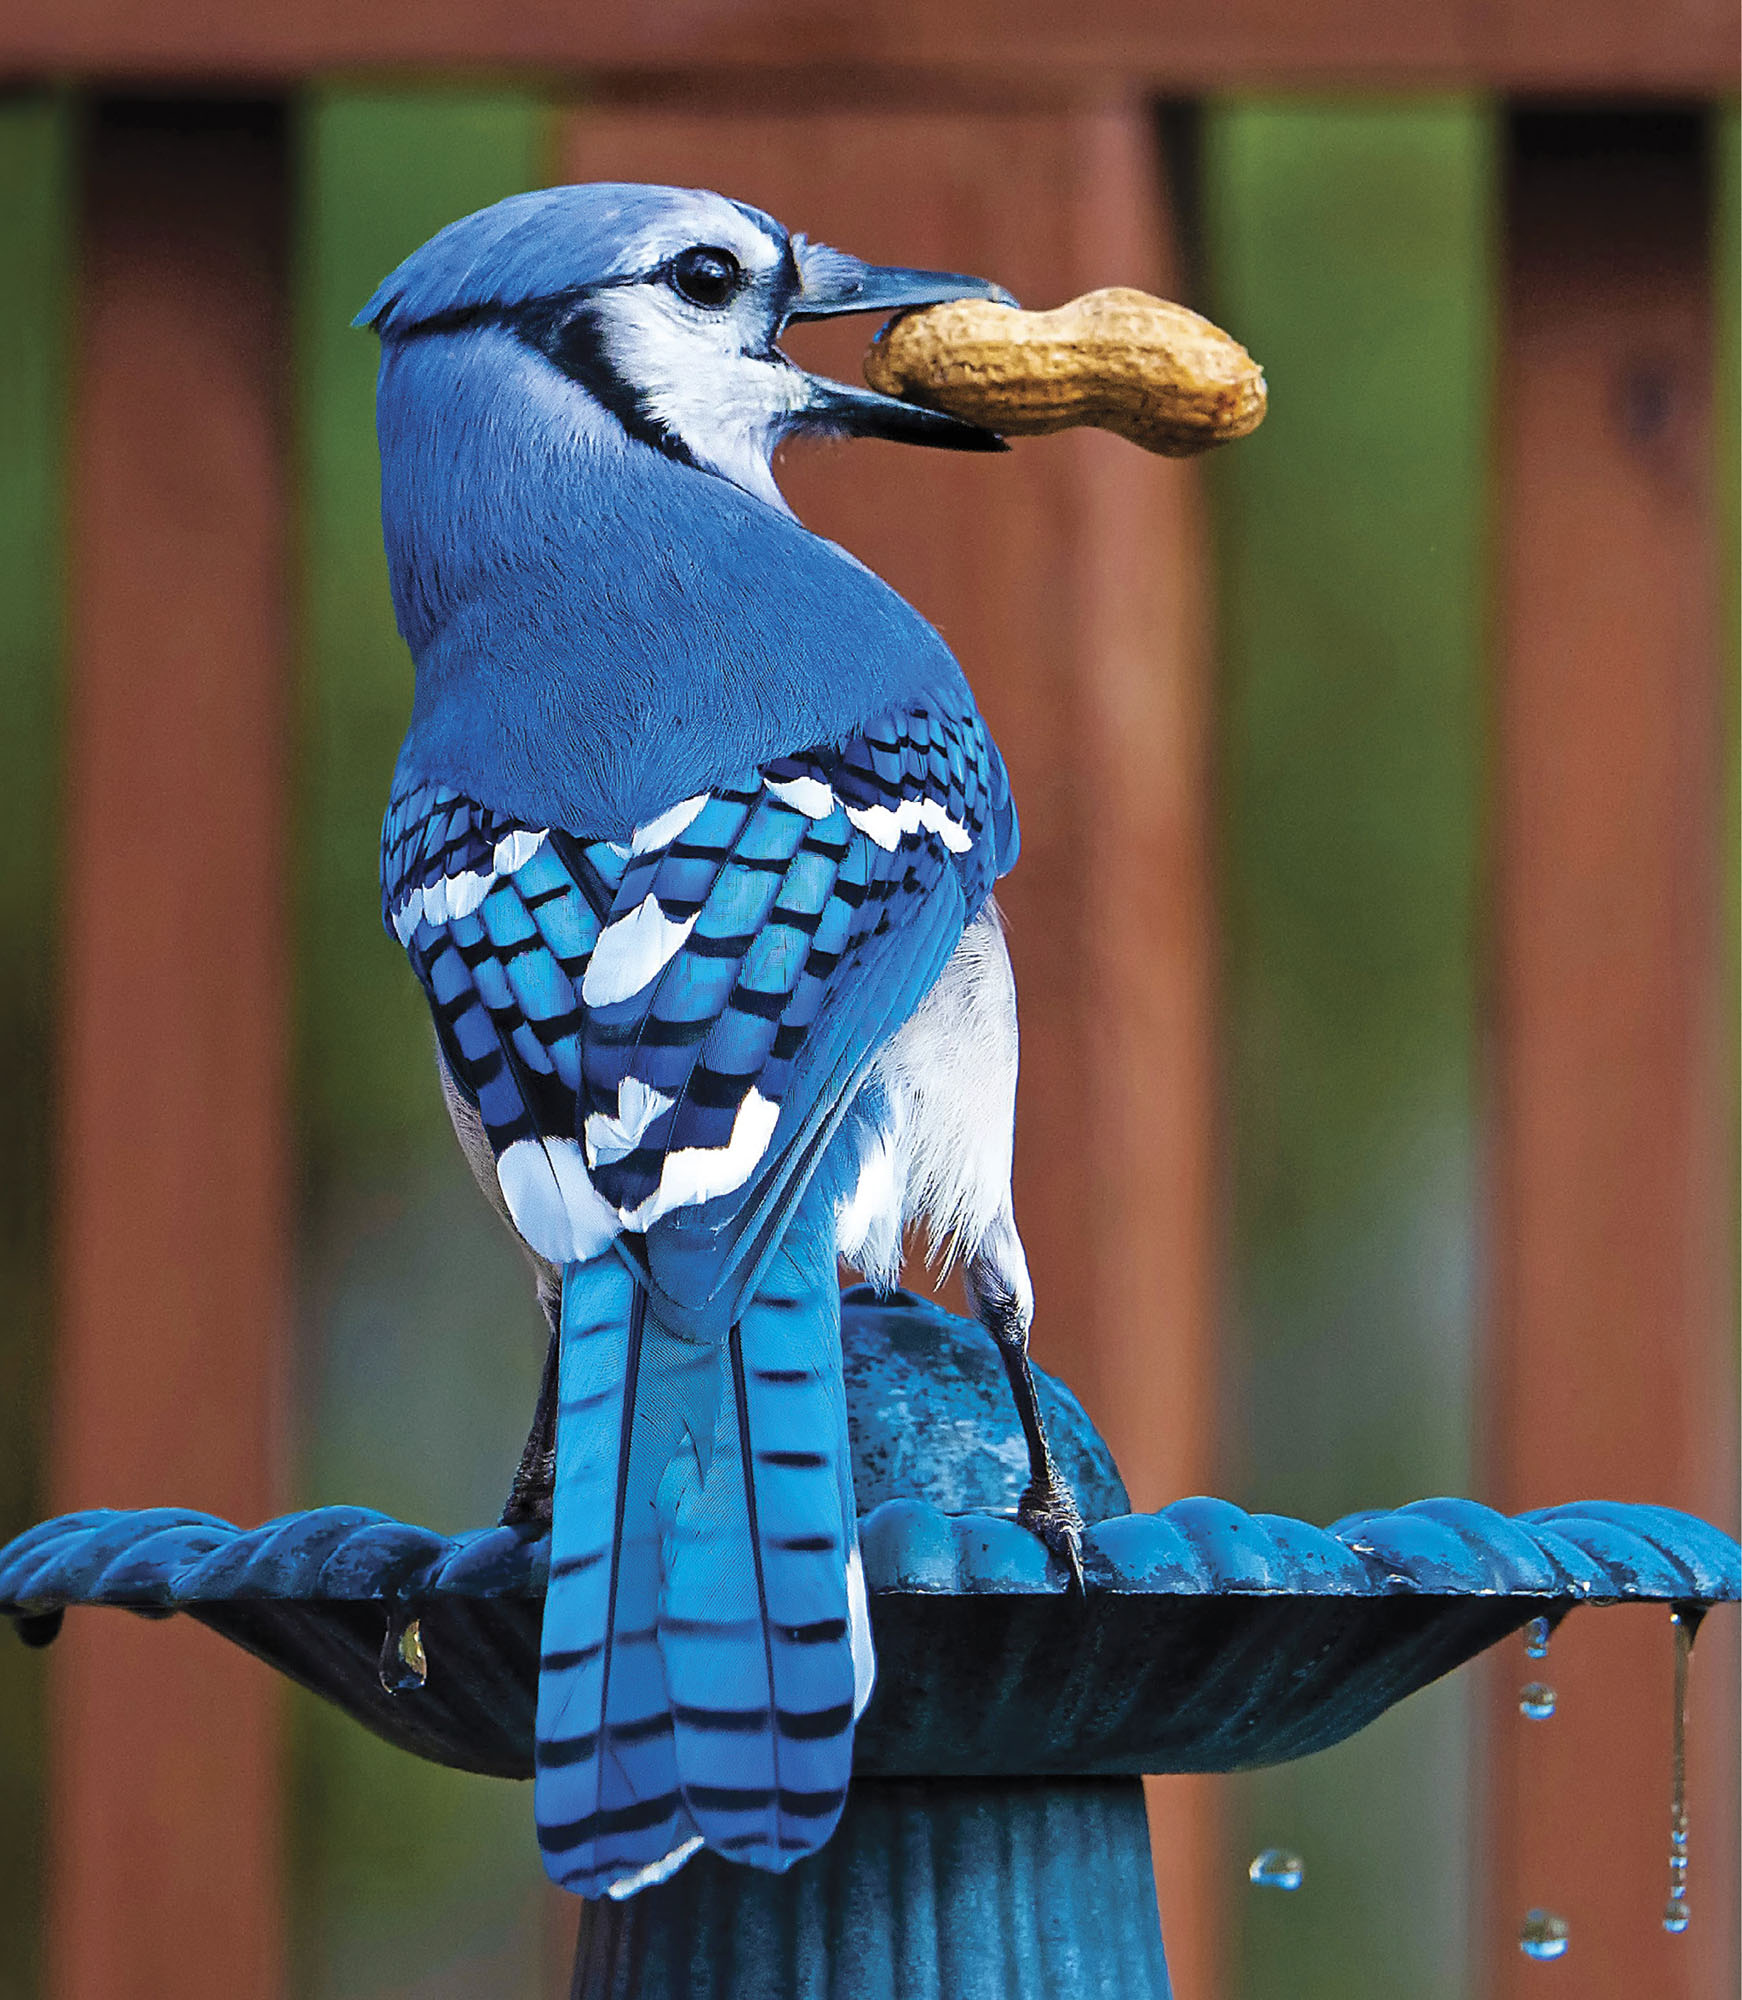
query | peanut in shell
[1118, 360]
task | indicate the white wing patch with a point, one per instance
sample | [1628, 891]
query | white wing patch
[809, 796]
[886, 825]
[547, 1184]
[459, 894]
[632, 952]
[408, 916]
[638, 1105]
[555, 1206]
[514, 850]
[663, 831]
[699, 1173]
[439, 902]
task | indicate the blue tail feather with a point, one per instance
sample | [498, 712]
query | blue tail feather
[606, 1794]
[761, 1668]
[697, 1681]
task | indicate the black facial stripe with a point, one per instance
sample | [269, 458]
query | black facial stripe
[788, 284]
[569, 334]
[458, 319]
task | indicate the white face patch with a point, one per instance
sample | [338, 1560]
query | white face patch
[709, 378]
[697, 216]
[692, 375]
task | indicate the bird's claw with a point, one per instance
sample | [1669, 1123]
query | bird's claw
[529, 1498]
[1049, 1509]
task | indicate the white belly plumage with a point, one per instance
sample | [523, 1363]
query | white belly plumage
[941, 1099]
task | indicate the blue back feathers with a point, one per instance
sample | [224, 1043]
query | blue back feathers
[599, 630]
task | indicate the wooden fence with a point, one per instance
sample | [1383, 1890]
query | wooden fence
[1378, 1099]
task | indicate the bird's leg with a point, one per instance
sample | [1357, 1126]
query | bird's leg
[998, 1288]
[529, 1498]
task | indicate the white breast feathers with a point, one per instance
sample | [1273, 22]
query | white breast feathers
[941, 1150]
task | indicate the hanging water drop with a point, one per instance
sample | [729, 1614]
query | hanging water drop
[38, 1628]
[1543, 1935]
[1536, 1638]
[1536, 1701]
[404, 1663]
[1684, 1621]
[1276, 1868]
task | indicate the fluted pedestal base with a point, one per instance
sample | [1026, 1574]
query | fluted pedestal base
[931, 1889]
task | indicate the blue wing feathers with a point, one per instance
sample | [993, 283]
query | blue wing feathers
[697, 1679]
[775, 899]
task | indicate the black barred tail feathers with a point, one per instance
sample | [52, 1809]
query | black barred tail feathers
[765, 1637]
[706, 1649]
[606, 1795]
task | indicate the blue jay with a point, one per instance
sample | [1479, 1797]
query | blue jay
[691, 845]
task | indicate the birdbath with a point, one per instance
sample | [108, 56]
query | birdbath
[995, 1841]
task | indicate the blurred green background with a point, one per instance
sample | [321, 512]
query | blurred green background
[1351, 244]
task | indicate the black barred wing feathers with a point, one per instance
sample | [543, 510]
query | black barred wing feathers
[635, 1019]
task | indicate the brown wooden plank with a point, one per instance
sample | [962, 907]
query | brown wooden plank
[1613, 1358]
[1616, 45]
[1630, 47]
[172, 1211]
[1068, 579]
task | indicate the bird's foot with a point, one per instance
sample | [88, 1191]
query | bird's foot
[529, 1498]
[1049, 1509]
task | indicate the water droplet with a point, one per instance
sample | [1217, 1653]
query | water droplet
[403, 1661]
[1536, 1700]
[1675, 1912]
[1276, 1868]
[39, 1628]
[1543, 1935]
[1536, 1638]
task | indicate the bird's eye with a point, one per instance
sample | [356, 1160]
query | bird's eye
[705, 276]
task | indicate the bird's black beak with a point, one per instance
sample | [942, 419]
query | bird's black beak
[831, 283]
